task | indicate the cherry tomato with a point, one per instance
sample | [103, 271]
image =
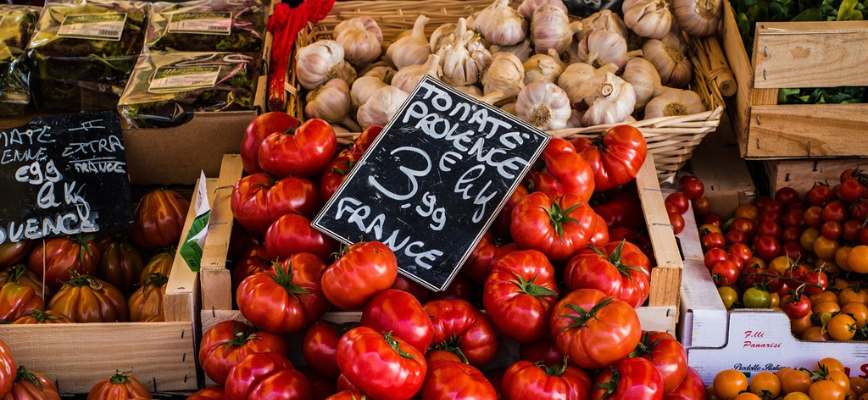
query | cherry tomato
[841, 327]
[826, 390]
[857, 259]
[691, 186]
[715, 255]
[850, 190]
[791, 234]
[765, 384]
[520, 291]
[766, 247]
[794, 380]
[813, 216]
[677, 203]
[381, 365]
[787, 195]
[796, 306]
[702, 206]
[677, 222]
[809, 236]
[740, 253]
[748, 211]
[793, 217]
[819, 194]
[734, 236]
[850, 230]
[831, 230]
[725, 273]
[728, 384]
[728, 295]
[399, 312]
[712, 240]
[756, 298]
[834, 211]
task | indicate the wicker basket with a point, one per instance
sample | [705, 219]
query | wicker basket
[671, 139]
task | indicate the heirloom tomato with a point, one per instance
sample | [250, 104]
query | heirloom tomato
[209, 393]
[363, 270]
[62, 256]
[257, 131]
[121, 265]
[691, 388]
[401, 313]
[7, 369]
[30, 385]
[292, 234]
[303, 151]
[160, 263]
[527, 380]
[343, 383]
[417, 290]
[261, 376]
[619, 270]
[258, 200]
[381, 365]
[256, 260]
[42, 317]
[667, 355]
[478, 265]
[565, 173]
[160, 217]
[119, 386]
[347, 395]
[456, 381]
[622, 209]
[462, 329]
[225, 344]
[14, 253]
[504, 219]
[87, 299]
[629, 379]
[319, 348]
[545, 352]
[615, 156]
[18, 294]
[337, 170]
[146, 303]
[559, 228]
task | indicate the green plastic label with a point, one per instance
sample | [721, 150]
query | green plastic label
[103, 26]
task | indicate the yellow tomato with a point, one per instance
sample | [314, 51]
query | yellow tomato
[765, 384]
[708, 228]
[728, 295]
[728, 384]
[841, 327]
[825, 248]
[814, 334]
[857, 260]
[826, 390]
[824, 297]
[796, 396]
[850, 295]
[794, 380]
[808, 237]
[824, 311]
[840, 378]
[858, 311]
[841, 257]
[780, 264]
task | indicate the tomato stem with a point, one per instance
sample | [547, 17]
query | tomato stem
[584, 316]
[451, 346]
[119, 378]
[556, 369]
[396, 345]
[560, 217]
[610, 385]
[283, 277]
[530, 288]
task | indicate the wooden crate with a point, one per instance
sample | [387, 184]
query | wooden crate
[798, 55]
[802, 174]
[661, 313]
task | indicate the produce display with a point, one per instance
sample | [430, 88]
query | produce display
[203, 26]
[828, 381]
[15, 29]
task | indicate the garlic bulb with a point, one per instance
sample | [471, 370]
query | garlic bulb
[583, 82]
[648, 18]
[603, 47]
[604, 20]
[644, 78]
[330, 102]
[672, 102]
[612, 104]
[668, 56]
[411, 49]
[443, 36]
[361, 39]
[463, 64]
[543, 68]
[527, 7]
[575, 120]
[522, 50]
[471, 90]
[697, 17]
[364, 88]
[509, 107]
[381, 107]
[550, 29]
[505, 75]
[544, 105]
[318, 62]
[501, 24]
[407, 78]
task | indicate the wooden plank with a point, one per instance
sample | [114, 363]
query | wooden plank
[656, 219]
[216, 280]
[815, 130]
[802, 174]
[77, 356]
[658, 319]
[739, 62]
[811, 54]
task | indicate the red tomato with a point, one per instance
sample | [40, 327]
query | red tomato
[257, 200]
[285, 299]
[558, 228]
[320, 387]
[526, 380]
[619, 270]
[347, 395]
[255, 261]
[734, 236]
[19, 294]
[725, 273]
[715, 255]
[629, 379]
[381, 365]
[319, 347]
[863, 236]
[545, 352]
[831, 230]
[859, 210]
[712, 240]
[593, 329]
[791, 234]
[677, 222]
[792, 217]
[62, 256]
[766, 247]
[793, 250]
[768, 228]
[462, 329]
[813, 216]
[819, 194]
[740, 253]
[292, 234]
[479, 263]
[743, 225]
[458, 381]
[266, 376]
[160, 217]
[344, 384]
[702, 206]
[816, 282]
[850, 230]
[257, 131]
[417, 290]
[615, 157]
[224, 345]
[504, 219]
[302, 152]
[691, 186]
[8, 369]
[712, 219]
[691, 388]
[519, 293]
[566, 172]
[601, 231]
[677, 203]
[667, 355]
[850, 190]
[399, 312]
[363, 270]
[834, 211]
[209, 393]
[14, 253]
[787, 195]
[622, 209]
[338, 169]
[796, 305]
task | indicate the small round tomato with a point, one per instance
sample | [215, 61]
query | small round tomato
[850, 230]
[744, 225]
[381, 365]
[756, 298]
[628, 379]
[399, 312]
[849, 294]
[794, 380]
[677, 203]
[521, 290]
[819, 194]
[715, 255]
[799, 326]
[850, 190]
[740, 253]
[363, 270]
[692, 187]
[455, 380]
[462, 329]
[834, 211]
[725, 273]
[667, 355]
[787, 195]
[809, 236]
[766, 247]
[768, 228]
[702, 206]
[857, 260]
[765, 384]
[825, 248]
[858, 311]
[791, 234]
[728, 295]
[813, 216]
[734, 236]
[728, 384]
[677, 222]
[826, 390]
[841, 327]
[748, 211]
[792, 218]
[815, 334]
[831, 230]
[319, 347]
[796, 305]
[859, 210]
[712, 240]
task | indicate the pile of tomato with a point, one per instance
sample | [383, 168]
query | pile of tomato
[828, 381]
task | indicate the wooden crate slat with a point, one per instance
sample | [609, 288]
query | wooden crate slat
[216, 279]
[811, 130]
[802, 174]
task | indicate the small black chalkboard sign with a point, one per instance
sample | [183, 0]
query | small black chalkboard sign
[63, 175]
[433, 181]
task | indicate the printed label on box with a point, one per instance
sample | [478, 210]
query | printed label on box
[203, 23]
[103, 26]
[181, 79]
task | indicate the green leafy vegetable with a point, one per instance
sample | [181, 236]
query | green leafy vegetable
[207, 25]
[16, 26]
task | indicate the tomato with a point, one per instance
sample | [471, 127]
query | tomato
[146, 303]
[615, 157]
[7, 369]
[859, 210]
[725, 273]
[851, 295]
[459, 288]
[756, 298]
[319, 348]
[338, 169]
[42, 317]
[796, 305]
[519, 293]
[728, 295]
[677, 222]
[255, 261]
[20, 293]
[765, 384]
[834, 211]
[382, 366]
[209, 393]
[257, 131]
[744, 225]
[160, 263]
[14, 253]
[593, 329]
[30, 385]
[227, 343]
[858, 311]
[558, 228]
[734, 236]
[258, 200]
[455, 380]
[705, 229]
[304, 151]
[713, 239]
[62, 256]
[565, 173]
[792, 234]
[841, 327]
[119, 386]
[600, 231]
[740, 253]
[691, 186]
[702, 206]
[677, 203]
[347, 395]
[819, 194]
[160, 217]
[787, 195]
[545, 352]
[619, 270]
[363, 270]
[87, 299]
[265, 376]
[794, 380]
[850, 231]
[504, 219]
[628, 379]
[292, 234]
[121, 264]
[831, 230]
[399, 312]
[766, 247]
[768, 228]
[813, 216]
[792, 218]
[691, 388]
[667, 355]
[826, 390]
[479, 263]
[850, 190]
[622, 209]
[526, 380]
[715, 255]
[748, 211]
[462, 329]
[857, 260]
[729, 383]
[799, 326]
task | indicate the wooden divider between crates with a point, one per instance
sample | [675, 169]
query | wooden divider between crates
[802, 174]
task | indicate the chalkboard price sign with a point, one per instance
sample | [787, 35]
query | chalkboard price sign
[63, 175]
[433, 181]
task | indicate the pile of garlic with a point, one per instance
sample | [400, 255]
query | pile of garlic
[537, 62]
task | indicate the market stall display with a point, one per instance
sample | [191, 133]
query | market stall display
[207, 26]
[15, 29]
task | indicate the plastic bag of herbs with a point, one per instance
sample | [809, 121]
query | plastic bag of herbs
[83, 53]
[166, 88]
[207, 25]
[16, 26]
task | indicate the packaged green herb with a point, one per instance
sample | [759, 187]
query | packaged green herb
[207, 25]
[16, 26]
[83, 52]
[166, 88]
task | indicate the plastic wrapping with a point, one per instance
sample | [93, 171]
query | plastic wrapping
[165, 88]
[83, 52]
[207, 25]
[16, 26]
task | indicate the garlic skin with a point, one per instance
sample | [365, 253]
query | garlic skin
[543, 68]
[648, 18]
[528, 7]
[509, 107]
[583, 82]
[604, 20]
[575, 120]
[330, 102]
[544, 105]
[364, 88]
[407, 78]
[318, 62]
[644, 78]
[601, 47]
[361, 39]
[470, 90]
[550, 29]
[668, 56]
[381, 107]
[410, 49]
[443, 36]
[522, 50]
[698, 17]
[505, 75]
[674, 102]
[462, 62]
[501, 24]
[612, 104]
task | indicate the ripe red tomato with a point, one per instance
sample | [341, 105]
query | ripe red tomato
[256, 260]
[504, 219]
[816, 282]
[526, 380]
[667, 355]
[793, 250]
[622, 209]
[713, 239]
[766, 247]
[545, 352]
[691, 186]
[399, 312]
[462, 329]
[347, 395]
[258, 201]
[262, 376]
[791, 234]
[478, 265]
[851, 190]
[381, 365]
[319, 347]
[859, 210]
[62, 256]
[119, 386]
[831, 230]
[455, 380]
[715, 255]
[677, 203]
[834, 211]
[796, 305]
[629, 379]
[19, 294]
[14, 253]
[743, 225]
[286, 298]
[619, 270]
[225, 344]
[257, 131]
[566, 172]
[558, 228]
[740, 253]
[702, 206]
[363, 270]
[615, 157]
[160, 217]
[734, 236]
[601, 232]
[292, 234]
[344, 384]
[850, 230]
[593, 329]
[725, 273]
[768, 228]
[7, 368]
[787, 195]
[302, 152]
[819, 194]
[338, 169]
[691, 388]
[792, 217]
[711, 219]
[677, 222]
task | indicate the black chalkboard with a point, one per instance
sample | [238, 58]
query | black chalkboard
[433, 181]
[63, 175]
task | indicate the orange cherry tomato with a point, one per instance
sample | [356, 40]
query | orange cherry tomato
[858, 311]
[840, 378]
[824, 297]
[796, 396]
[808, 237]
[781, 264]
[830, 364]
[824, 311]
[765, 384]
[825, 249]
[857, 260]
[851, 295]
[814, 334]
[729, 383]
[841, 257]
[841, 327]
[794, 380]
[799, 326]
[747, 396]
[826, 390]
